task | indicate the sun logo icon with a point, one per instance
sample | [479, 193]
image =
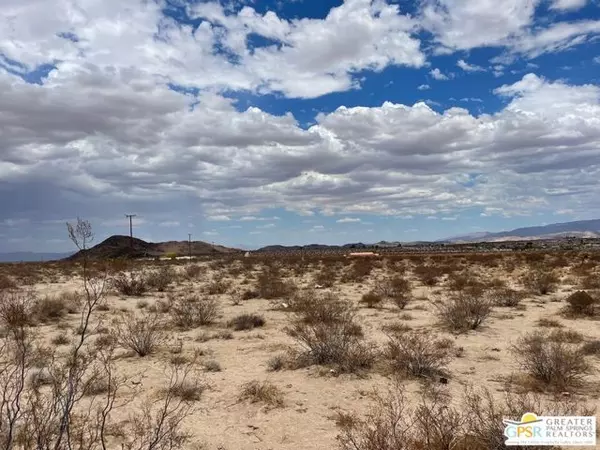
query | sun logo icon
[526, 418]
[524, 428]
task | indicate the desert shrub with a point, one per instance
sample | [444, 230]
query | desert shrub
[193, 311]
[16, 309]
[212, 366]
[134, 284]
[396, 289]
[246, 322]
[396, 328]
[553, 363]
[141, 304]
[270, 285]
[329, 335]
[216, 287]
[591, 348]
[141, 334]
[540, 281]
[428, 275]
[249, 294]
[393, 423]
[484, 427]
[96, 385]
[187, 390]
[326, 277]
[418, 354]
[193, 271]
[7, 282]
[262, 392]
[276, 363]
[590, 281]
[319, 307]
[549, 323]
[461, 281]
[387, 425]
[371, 299]
[464, 312]
[160, 279]
[581, 303]
[567, 336]
[506, 297]
[50, 309]
[358, 271]
[41, 377]
[60, 339]
[73, 300]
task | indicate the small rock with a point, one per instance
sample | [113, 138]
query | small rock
[443, 380]
[495, 349]
[565, 394]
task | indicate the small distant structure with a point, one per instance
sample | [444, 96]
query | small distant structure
[247, 255]
[362, 255]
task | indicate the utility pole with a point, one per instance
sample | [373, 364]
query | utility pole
[131, 216]
[190, 245]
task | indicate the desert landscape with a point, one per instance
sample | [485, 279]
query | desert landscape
[416, 351]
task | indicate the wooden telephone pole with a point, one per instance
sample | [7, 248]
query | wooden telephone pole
[131, 216]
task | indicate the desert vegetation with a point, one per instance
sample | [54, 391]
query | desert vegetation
[414, 352]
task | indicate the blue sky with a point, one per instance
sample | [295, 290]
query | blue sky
[249, 123]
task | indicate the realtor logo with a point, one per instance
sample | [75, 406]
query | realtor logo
[550, 430]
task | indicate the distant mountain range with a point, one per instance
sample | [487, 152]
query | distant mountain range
[32, 256]
[578, 229]
[120, 246]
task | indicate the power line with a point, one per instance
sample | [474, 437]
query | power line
[131, 216]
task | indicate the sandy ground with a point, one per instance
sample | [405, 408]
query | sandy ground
[313, 395]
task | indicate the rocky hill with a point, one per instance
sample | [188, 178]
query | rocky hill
[124, 247]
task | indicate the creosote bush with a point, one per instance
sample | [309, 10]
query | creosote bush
[270, 285]
[192, 311]
[217, 287]
[160, 279]
[554, 363]
[591, 348]
[249, 294]
[464, 311]
[246, 322]
[193, 271]
[277, 363]
[50, 309]
[262, 392]
[540, 281]
[371, 299]
[506, 297]
[418, 354]
[142, 334]
[328, 334]
[16, 309]
[581, 303]
[433, 423]
[359, 271]
[134, 284]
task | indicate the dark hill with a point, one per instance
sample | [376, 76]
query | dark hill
[124, 247]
